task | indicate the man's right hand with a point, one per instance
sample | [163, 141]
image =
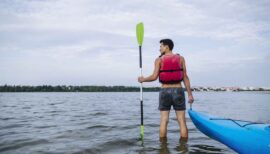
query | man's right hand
[141, 79]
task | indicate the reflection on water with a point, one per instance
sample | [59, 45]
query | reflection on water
[110, 122]
[182, 147]
[204, 149]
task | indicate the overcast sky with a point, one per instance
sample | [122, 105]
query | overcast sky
[93, 42]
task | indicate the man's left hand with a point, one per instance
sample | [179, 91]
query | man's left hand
[190, 99]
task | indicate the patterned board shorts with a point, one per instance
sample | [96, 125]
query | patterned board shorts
[172, 97]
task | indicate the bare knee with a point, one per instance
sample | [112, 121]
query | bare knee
[164, 117]
[164, 120]
[180, 116]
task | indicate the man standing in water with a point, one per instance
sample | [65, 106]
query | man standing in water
[171, 70]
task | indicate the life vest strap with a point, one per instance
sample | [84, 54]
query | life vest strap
[171, 81]
[180, 69]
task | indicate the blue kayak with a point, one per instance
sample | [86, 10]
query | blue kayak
[241, 136]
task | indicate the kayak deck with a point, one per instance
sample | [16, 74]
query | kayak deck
[241, 136]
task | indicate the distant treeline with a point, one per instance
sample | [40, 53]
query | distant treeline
[63, 88]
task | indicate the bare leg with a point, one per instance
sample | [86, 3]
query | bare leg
[180, 115]
[164, 119]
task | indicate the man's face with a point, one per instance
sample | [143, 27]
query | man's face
[162, 48]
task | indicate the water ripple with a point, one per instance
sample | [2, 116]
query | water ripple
[110, 122]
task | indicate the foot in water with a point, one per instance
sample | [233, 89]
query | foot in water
[163, 146]
[183, 146]
[163, 139]
[183, 139]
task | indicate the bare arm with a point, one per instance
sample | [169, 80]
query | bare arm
[155, 74]
[186, 78]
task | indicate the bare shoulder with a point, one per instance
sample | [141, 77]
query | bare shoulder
[182, 59]
[158, 60]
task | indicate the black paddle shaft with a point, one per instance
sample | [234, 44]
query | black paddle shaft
[141, 112]
[140, 49]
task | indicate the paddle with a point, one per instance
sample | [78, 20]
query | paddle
[140, 32]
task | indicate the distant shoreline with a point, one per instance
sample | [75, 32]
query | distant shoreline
[64, 88]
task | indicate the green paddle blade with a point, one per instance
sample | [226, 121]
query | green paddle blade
[140, 32]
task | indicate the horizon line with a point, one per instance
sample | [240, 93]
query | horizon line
[120, 85]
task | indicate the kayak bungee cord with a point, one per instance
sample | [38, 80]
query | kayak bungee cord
[235, 121]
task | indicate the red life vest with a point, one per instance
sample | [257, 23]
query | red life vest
[171, 70]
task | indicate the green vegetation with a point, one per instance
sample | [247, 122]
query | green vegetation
[63, 88]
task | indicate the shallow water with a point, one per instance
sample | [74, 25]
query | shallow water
[110, 122]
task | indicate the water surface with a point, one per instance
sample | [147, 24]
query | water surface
[110, 122]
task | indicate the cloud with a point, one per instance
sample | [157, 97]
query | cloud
[93, 42]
